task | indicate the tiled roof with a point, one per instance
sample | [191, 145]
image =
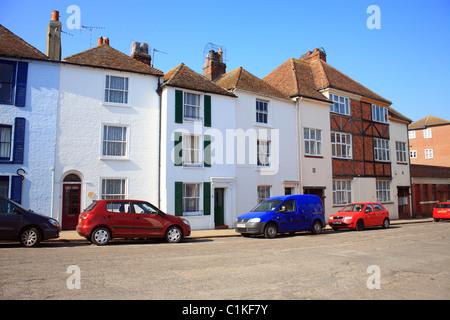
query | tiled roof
[427, 122]
[294, 78]
[244, 80]
[104, 56]
[15, 47]
[327, 76]
[186, 78]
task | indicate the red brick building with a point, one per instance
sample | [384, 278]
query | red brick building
[429, 148]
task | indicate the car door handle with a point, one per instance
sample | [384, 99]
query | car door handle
[108, 216]
[137, 218]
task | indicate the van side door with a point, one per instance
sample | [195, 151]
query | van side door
[287, 216]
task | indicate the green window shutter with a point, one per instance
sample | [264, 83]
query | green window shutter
[207, 151]
[206, 198]
[178, 106]
[207, 107]
[178, 149]
[178, 198]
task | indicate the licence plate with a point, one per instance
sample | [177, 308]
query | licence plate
[337, 222]
[240, 225]
[442, 211]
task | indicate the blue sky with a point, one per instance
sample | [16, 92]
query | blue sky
[406, 61]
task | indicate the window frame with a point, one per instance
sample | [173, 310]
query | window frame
[112, 196]
[380, 114]
[348, 146]
[427, 133]
[4, 142]
[401, 152]
[108, 89]
[13, 82]
[383, 190]
[263, 190]
[340, 102]
[309, 141]
[125, 143]
[199, 106]
[429, 154]
[381, 147]
[197, 197]
[411, 134]
[189, 150]
[413, 154]
[263, 154]
[342, 195]
[260, 113]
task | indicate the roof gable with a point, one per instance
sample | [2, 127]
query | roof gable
[15, 47]
[104, 56]
[186, 78]
[244, 80]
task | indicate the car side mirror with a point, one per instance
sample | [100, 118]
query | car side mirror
[367, 210]
[16, 210]
[282, 209]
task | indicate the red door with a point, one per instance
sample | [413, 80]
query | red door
[71, 206]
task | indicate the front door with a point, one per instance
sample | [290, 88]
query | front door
[316, 191]
[71, 206]
[403, 203]
[219, 207]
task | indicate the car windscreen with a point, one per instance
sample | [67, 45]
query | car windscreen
[443, 205]
[268, 205]
[353, 208]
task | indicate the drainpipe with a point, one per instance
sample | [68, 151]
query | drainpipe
[299, 146]
[159, 92]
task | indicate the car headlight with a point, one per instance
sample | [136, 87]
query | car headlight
[54, 222]
[254, 220]
[187, 222]
[348, 218]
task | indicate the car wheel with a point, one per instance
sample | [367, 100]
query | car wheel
[359, 225]
[174, 234]
[30, 237]
[101, 236]
[435, 220]
[317, 227]
[385, 223]
[270, 231]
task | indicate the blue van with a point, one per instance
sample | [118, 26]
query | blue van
[283, 214]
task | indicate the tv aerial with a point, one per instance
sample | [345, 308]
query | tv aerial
[90, 32]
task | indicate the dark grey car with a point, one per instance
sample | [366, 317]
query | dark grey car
[20, 224]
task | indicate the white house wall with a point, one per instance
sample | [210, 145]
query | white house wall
[220, 175]
[79, 145]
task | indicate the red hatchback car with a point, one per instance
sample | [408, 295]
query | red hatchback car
[104, 220]
[360, 215]
[441, 211]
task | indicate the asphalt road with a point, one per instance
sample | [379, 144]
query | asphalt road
[410, 261]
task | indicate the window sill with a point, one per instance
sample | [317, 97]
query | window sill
[105, 158]
[263, 125]
[112, 104]
[192, 166]
[313, 156]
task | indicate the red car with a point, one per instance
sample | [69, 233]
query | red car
[360, 215]
[104, 220]
[441, 211]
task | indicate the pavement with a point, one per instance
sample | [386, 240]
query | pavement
[73, 236]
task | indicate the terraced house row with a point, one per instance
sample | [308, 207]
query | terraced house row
[101, 124]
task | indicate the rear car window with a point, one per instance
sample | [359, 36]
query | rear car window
[91, 206]
[378, 207]
[119, 207]
[443, 205]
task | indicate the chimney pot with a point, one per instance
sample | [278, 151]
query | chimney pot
[214, 66]
[100, 41]
[317, 54]
[106, 41]
[55, 15]
[140, 52]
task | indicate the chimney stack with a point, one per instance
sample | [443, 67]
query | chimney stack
[102, 40]
[214, 66]
[54, 37]
[317, 54]
[140, 53]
